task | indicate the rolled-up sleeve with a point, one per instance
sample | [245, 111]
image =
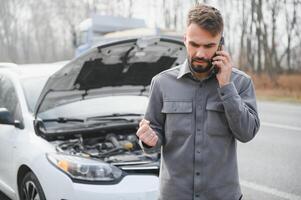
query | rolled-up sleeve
[154, 115]
[241, 109]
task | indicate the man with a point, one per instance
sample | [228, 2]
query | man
[196, 112]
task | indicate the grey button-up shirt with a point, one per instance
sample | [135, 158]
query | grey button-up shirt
[198, 123]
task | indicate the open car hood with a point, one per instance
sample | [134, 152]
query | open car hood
[120, 67]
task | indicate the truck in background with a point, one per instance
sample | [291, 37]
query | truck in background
[94, 29]
[100, 27]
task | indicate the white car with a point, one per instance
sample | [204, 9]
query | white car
[67, 130]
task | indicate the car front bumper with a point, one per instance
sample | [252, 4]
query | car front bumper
[132, 187]
[59, 186]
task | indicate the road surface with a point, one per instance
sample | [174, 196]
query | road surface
[270, 165]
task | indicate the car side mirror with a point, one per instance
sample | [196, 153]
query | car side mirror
[7, 119]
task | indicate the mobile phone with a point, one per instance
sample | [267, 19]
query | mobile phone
[221, 43]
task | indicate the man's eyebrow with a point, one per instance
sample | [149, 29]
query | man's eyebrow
[209, 44]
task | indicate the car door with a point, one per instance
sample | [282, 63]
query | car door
[8, 133]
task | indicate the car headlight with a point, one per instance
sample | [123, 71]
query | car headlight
[85, 169]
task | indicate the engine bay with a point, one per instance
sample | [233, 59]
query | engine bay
[119, 149]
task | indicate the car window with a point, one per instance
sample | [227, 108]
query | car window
[9, 99]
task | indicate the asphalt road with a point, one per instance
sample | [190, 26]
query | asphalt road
[270, 165]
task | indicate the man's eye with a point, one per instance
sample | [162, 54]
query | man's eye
[208, 46]
[194, 45]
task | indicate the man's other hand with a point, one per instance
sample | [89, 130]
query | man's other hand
[146, 134]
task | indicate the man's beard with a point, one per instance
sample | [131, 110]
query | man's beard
[199, 68]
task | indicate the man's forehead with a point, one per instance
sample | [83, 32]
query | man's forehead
[200, 36]
[202, 40]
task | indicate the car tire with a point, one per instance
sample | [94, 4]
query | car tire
[30, 188]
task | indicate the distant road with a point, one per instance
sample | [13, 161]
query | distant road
[270, 165]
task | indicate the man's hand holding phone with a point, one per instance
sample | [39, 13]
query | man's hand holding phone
[146, 134]
[222, 61]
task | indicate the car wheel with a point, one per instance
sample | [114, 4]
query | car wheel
[31, 188]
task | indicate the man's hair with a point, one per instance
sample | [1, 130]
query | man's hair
[206, 17]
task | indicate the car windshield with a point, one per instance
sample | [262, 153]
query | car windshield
[100, 106]
[32, 88]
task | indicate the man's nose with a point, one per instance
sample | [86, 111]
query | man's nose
[200, 52]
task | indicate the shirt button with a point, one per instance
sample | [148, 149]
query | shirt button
[197, 173]
[198, 151]
[198, 129]
[197, 195]
[222, 93]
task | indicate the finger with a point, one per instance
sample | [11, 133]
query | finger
[223, 53]
[220, 58]
[142, 129]
[153, 141]
[149, 134]
[145, 137]
[139, 132]
[218, 63]
[143, 121]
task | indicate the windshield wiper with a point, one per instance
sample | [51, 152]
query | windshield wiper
[102, 118]
[115, 117]
[63, 120]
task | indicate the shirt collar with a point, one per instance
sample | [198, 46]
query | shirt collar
[184, 69]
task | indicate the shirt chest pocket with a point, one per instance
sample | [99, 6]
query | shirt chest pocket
[178, 120]
[216, 121]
